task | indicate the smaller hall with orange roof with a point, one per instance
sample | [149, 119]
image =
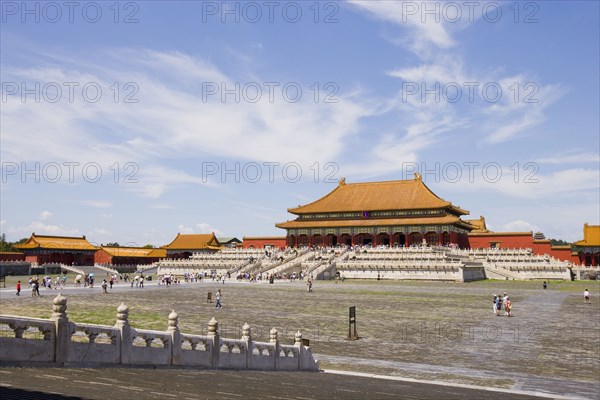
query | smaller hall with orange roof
[394, 213]
[129, 255]
[43, 249]
[184, 245]
[588, 249]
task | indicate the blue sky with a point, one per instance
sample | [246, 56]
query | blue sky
[134, 121]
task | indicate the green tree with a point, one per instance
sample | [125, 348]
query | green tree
[559, 242]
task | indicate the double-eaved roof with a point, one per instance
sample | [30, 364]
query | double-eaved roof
[378, 196]
[411, 196]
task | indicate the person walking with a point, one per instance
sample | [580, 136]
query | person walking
[104, 286]
[508, 307]
[494, 304]
[218, 297]
[18, 288]
[586, 297]
[498, 305]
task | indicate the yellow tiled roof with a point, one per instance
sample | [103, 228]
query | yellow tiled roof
[203, 241]
[377, 196]
[135, 252]
[56, 242]
[591, 236]
[447, 220]
[479, 225]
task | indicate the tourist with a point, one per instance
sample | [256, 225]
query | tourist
[35, 290]
[310, 285]
[586, 297]
[498, 305]
[494, 304]
[142, 280]
[507, 307]
[218, 297]
[18, 288]
[545, 285]
[56, 282]
[504, 299]
[104, 286]
[111, 281]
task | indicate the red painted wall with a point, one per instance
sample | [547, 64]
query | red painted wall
[261, 242]
[522, 241]
[516, 240]
[541, 247]
[102, 257]
[12, 256]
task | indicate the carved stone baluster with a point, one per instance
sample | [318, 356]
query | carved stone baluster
[62, 328]
[215, 341]
[276, 351]
[125, 337]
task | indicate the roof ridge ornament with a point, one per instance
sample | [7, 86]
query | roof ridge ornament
[342, 181]
[418, 176]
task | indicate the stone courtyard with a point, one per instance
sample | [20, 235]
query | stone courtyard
[432, 331]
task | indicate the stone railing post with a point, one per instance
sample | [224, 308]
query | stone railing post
[215, 342]
[125, 340]
[62, 339]
[273, 339]
[173, 330]
[247, 337]
[300, 347]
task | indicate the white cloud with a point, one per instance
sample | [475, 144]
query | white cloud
[207, 228]
[199, 228]
[45, 215]
[41, 228]
[519, 226]
[171, 121]
[422, 32]
[568, 183]
[571, 157]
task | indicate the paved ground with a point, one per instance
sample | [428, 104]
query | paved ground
[63, 383]
[436, 331]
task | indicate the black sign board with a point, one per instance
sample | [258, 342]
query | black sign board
[352, 335]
